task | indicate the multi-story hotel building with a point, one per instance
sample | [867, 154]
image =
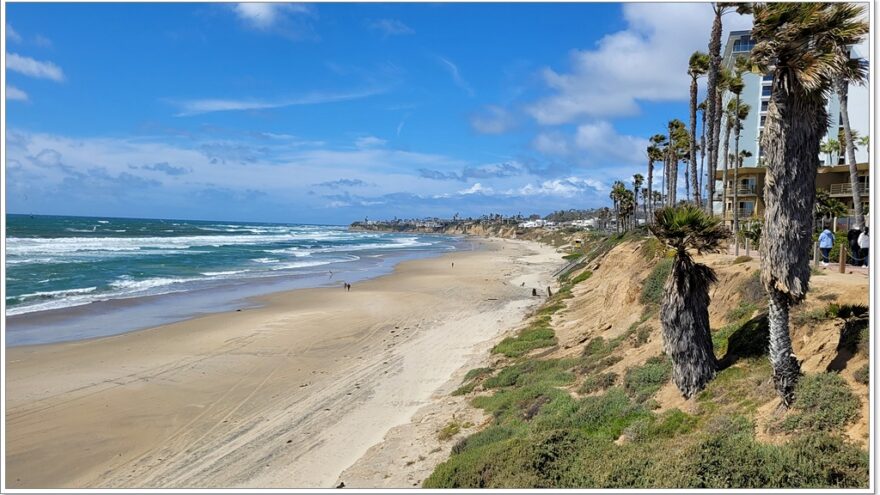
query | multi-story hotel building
[833, 173]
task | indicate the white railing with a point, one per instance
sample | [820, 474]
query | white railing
[846, 188]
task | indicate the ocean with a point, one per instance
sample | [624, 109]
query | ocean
[58, 262]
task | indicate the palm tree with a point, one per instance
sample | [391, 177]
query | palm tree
[864, 141]
[702, 108]
[741, 112]
[638, 180]
[728, 125]
[617, 192]
[828, 207]
[829, 147]
[805, 44]
[698, 65]
[655, 154]
[841, 84]
[675, 151]
[684, 312]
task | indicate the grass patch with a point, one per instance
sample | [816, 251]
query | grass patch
[644, 381]
[572, 256]
[580, 278]
[652, 248]
[595, 383]
[652, 289]
[741, 259]
[823, 402]
[533, 337]
[743, 311]
[863, 374]
[451, 429]
[643, 333]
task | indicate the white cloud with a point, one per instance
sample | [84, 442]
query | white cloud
[551, 143]
[33, 68]
[391, 27]
[13, 93]
[647, 61]
[11, 35]
[266, 15]
[493, 120]
[475, 189]
[566, 187]
[456, 76]
[601, 140]
[369, 142]
[195, 107]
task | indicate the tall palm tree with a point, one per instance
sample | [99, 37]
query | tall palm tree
[865, 141]
[804, 43]
[698, 65]
[638, 180]
[841, 84]
[684, 312]
[618, 190]
[702, 108]
[729, 120]
[740, 114]
[655, 154]
[720, 87]
[677, 149]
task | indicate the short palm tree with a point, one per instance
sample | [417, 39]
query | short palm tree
[804, 43]
[638, 180]
[656, 153]
[698, 66]
[684, 312]
[829, 147]
[702, 108]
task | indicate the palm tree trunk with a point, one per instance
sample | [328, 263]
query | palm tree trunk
[842, 95]
[716, 139]
[724, 172]
[703, 155]
[693, 150]
[650, 185]
[712, 85]
[796, 121]
[786, 368]
[684, 317]
[736, 182]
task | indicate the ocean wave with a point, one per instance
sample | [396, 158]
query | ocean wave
[265, 260]
[229, 272]
[54, 294]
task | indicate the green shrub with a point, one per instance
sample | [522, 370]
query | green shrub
[863, 374]
[823, 402]
[652, 289]
[595, 383]
[547, 371]
[741, 259]
[643, 333]
[572, 256]
[531, 338]
[643, 381]
[744, 310]
[580, 278]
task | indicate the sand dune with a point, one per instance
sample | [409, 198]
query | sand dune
[286, 395]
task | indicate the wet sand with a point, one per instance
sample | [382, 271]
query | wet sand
[285, 395]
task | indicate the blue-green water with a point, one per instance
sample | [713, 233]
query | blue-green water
[57, 262]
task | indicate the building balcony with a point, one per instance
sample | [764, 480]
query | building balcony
[741, 213]
[749, 190]
[845, 189]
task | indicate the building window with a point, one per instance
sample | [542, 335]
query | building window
[763, 119]
[744, 44]
[765, 90]
[764, 105]
[767, 78]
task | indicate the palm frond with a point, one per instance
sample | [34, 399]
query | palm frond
[688, 227]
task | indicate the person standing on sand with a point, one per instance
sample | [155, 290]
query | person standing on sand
[864, 246]
[826, 242]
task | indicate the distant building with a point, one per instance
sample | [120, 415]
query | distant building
[756, 93]
[750, 189]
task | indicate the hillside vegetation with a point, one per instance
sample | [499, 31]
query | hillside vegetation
[581, 395]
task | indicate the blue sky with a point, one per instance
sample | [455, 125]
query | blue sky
[328, 113]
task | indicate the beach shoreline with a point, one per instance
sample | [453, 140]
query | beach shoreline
[288, 394]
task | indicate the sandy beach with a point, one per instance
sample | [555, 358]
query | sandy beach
[289, 394]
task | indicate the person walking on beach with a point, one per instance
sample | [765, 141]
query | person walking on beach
[826, 242]
[864, 246]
